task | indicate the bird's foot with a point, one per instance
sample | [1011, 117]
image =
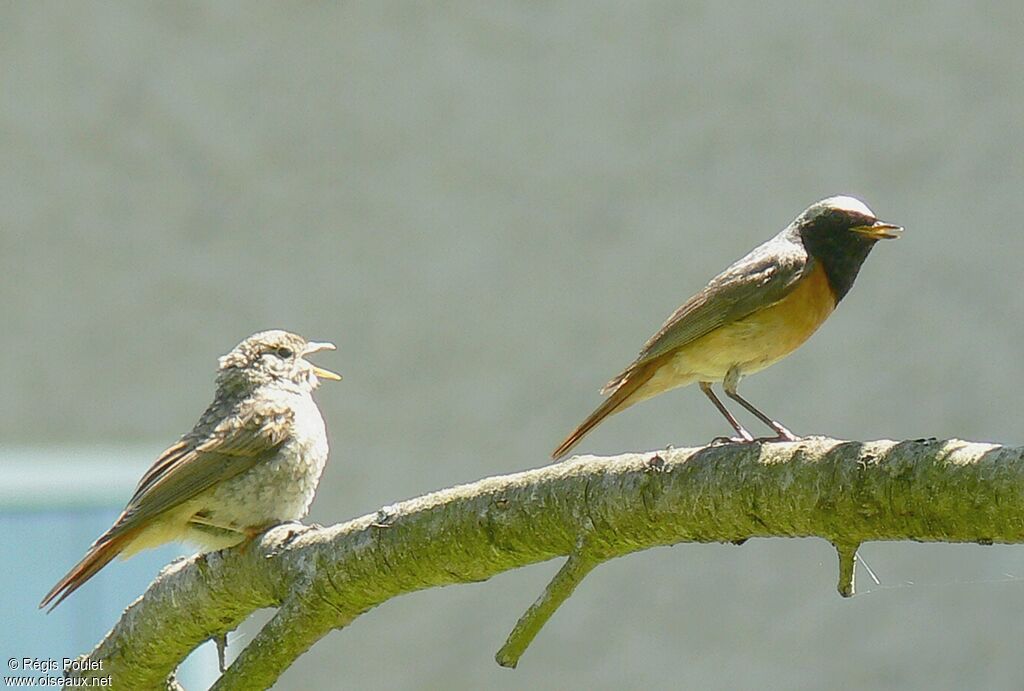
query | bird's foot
[384, 516]
[783, 435]
[722, 441]
[297, 526]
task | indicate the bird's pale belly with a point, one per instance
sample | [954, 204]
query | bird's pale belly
[752, 343]
[279, 490]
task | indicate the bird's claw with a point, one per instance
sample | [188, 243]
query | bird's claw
[723, 441]
[783, 435]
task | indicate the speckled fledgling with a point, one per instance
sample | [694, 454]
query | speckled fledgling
[252, 461]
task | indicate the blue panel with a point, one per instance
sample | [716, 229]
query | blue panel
[48, 543]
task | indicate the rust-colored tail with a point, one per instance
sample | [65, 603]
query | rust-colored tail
[98, 556]
[625, 385]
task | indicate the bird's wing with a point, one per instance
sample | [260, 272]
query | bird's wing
[758, 280]
[196, 463]
[221, 447]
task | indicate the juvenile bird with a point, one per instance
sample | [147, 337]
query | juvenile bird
[252, 461]
[753, 314]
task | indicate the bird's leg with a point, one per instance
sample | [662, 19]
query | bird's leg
[202, 522]
[222, 536]
[744, 437]
[730, 383]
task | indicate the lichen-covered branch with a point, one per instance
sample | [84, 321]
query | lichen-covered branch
[573, 571]
[593, 508]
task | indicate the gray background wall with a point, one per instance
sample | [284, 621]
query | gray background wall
[489, 207]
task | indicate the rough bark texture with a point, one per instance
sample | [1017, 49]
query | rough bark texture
[591, 508]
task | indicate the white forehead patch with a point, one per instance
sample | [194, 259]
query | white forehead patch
[850, 204]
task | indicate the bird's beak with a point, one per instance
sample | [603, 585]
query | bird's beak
[314, 347]
[320, 372]
[879, 230]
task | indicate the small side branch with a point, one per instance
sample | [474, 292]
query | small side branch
[298, 624]
[847, 552]
[573, 571]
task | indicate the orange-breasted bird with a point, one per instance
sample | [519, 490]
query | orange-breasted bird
[753, 314]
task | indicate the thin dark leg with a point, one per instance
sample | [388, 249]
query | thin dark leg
[784, 434]
[744, 437]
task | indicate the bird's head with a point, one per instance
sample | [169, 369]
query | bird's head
[274, 357]
[844, 217]
[839, 232]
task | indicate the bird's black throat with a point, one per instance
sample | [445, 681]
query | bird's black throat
[841, 253]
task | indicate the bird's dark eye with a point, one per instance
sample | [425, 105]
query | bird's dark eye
[285, 353]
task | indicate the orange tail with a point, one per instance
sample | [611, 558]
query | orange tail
[627, 385]
[98, 556]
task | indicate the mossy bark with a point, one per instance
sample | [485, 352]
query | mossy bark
[590, 507]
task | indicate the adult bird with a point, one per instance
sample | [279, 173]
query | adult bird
[750, 316]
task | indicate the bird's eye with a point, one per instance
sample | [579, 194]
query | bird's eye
[285, 353]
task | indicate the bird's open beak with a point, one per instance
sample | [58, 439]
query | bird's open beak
[320, 372]
[315, 347]
[879, 230]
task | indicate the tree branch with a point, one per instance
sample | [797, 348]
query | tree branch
[847, 553]
[573, 571]
[593, 509]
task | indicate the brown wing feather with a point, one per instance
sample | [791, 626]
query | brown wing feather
[235, 445]
[762, 278]
[214, 452]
